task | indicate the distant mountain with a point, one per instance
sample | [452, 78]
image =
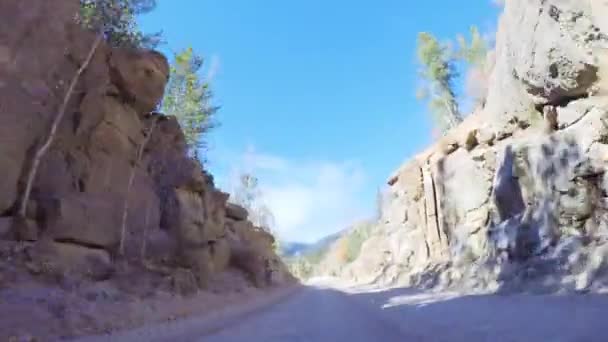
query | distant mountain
[295, 249]
[292, 249]
[327, 241]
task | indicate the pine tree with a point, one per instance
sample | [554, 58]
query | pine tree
[188, 98]
[438, 72]
[475, 54]
[117, 20]
[475, 51]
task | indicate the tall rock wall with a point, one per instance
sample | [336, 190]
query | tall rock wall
[522, 179]
[112, 155]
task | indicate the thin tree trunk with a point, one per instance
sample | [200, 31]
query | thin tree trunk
[40, 153]
[125, 212]
[144, 242]
[453, 114]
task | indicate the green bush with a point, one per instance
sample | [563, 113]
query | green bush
[355, 240]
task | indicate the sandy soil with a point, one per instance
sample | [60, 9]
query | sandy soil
[33, 310]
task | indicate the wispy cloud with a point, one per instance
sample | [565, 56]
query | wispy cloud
[309, 198]
[214, 68]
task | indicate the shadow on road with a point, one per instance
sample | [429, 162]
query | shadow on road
[452, 316]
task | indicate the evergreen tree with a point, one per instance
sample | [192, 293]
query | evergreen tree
[188, 98]
[475, 54]
[117, 19]
[475, 51]
[438, 72]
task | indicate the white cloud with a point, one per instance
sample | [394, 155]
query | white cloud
[214, 68]
[309, 199]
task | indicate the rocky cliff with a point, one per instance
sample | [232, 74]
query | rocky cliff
[116, 189]
[517, 193]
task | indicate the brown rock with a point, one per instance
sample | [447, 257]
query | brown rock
[31, 84]
[195, 226]
[112, 125]
[200, 262]
[77, 260]
[247, 260]
[6, 228]
[87, 219]
[236, 212]
[161, 246]
[471, 141]
[220, 255]
[25, 229]
[140, 76]
[184, 282]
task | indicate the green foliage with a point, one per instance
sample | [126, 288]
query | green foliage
[304, 266]
[117, 20]
[355, 240]
[300, 268]
[438, 73]
[435, 59]
[347, 248]
[475, 51]
[188, 98]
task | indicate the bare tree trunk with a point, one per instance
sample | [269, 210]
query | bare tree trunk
[452, 111]
[144, 242]
[125, 212]
[40, 153]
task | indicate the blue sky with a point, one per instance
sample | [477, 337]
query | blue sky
[317, 96]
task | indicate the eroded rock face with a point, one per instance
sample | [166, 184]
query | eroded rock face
[140, 77]
[176, 216]
[507, 196]
[548, 52]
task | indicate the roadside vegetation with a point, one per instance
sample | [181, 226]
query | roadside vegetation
[440, 66]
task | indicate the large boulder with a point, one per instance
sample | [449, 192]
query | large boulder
[140, 76]
[236, 212]
[71, 259]
[546, 54]
[246, 259]
[83, 219]
[200, 217]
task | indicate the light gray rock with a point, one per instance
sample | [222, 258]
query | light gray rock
[545, 54]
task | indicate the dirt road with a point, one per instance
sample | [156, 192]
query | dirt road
[327, 314]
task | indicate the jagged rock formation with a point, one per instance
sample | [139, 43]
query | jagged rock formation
[176, 219]
[517, 192]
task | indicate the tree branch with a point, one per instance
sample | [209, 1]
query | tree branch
[41, 152]
[125, 211]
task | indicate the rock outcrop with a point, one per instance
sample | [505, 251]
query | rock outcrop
[112, 156]
[517, 192]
